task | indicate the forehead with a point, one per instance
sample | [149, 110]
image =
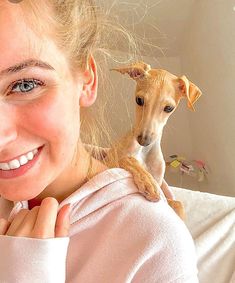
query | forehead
[19, 42]
[160, 85]
[162, 79]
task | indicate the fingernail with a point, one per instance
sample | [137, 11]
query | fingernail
[69, 209]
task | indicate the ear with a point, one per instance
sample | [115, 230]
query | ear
[136, 71]
[189, 90]
[90, 82]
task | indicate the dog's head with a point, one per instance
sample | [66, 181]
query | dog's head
[158, 93]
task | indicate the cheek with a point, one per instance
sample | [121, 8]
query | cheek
[53, 119]
[159, 122]
[139, 113]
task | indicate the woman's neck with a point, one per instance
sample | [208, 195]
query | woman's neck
[73, 177]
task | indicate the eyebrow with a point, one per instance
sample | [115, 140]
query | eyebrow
[171, 102]
[25, 64]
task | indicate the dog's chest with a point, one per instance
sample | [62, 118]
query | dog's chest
[152, 161]
[141, 155]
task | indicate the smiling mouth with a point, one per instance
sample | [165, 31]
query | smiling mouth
[22, 169]
[17, 162]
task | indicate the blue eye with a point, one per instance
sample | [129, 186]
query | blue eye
[25, 85]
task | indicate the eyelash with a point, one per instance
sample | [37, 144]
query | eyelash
[23, 80]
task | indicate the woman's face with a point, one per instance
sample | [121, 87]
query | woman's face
[46, 116]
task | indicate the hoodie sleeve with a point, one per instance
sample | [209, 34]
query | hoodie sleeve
[28, 260]
[168, 252]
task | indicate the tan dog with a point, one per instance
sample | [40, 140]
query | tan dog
[157, 95]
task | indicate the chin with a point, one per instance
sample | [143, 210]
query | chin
[20, 194]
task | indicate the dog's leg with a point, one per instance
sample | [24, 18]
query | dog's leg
[166, 190]
[178, 207]
[147, 185]
[142, 178]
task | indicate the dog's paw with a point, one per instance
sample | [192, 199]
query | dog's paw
[151, 196]
[144, 181]
[148, 189]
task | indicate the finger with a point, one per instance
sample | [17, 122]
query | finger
[4, 224]
[63, 222]
[16, 222]
[45, 223]
[26, 227]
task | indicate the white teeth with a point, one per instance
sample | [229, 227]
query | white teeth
[4, 166]
[29, 155]
[16, 163]
[23, 160]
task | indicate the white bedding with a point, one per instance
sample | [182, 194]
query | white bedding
[211, 221]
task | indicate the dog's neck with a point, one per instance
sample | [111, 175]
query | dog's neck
[156, 146]
[128, 145]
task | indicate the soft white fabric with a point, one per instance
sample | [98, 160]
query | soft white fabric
[116, 236]
[211, 221]
[28, 260]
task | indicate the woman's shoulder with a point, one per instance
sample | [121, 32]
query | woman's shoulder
[117, 189]
[114, 193]
[158, 237]
[146, 238]
[155, 217]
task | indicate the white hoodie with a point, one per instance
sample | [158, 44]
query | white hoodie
[116, 236]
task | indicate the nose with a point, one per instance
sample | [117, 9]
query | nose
[8, 131]
[144, 140]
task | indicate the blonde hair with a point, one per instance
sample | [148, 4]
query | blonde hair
[79, 29]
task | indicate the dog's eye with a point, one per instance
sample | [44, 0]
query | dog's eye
[139, 101]
[169, 109]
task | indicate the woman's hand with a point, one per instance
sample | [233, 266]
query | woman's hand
[41, 222]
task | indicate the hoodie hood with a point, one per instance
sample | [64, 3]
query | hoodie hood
[101, 190]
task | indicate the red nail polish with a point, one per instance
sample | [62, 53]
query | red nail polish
[69, 209]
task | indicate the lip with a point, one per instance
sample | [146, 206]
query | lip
[13, 173]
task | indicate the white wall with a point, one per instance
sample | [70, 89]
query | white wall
[209, 57]
[208, 60]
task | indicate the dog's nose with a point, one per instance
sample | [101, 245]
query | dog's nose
[144, 140]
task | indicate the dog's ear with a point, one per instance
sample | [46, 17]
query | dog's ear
[136, 71]
[189, 90]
